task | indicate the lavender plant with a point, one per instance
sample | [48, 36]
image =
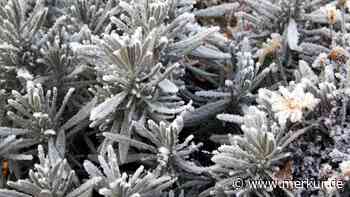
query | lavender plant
[253, 155]
[135, 82]
[19, 33]
[51, 177]
[237, 89]
[36, 116]
[171, 155]
[115, 183]
[19, 37]
[94, 14]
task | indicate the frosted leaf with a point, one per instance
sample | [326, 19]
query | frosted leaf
[306, 72]
[230, 118]
[168, 87]
[213, 94]
[107, 107]
[293, 35]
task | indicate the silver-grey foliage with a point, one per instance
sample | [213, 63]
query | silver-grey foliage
[252, 155]
[170, 154]
[52, 176]
[115, 183]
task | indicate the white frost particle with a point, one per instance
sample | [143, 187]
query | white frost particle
[164, 40]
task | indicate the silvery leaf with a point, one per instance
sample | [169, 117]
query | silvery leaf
[293, 35]
[107, 107]
[168, 87]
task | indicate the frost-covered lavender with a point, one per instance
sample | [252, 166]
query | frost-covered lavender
[174, 98]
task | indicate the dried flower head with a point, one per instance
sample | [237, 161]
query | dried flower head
[270, 47]
[288, 104]
[332, 14]
[339, 55]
